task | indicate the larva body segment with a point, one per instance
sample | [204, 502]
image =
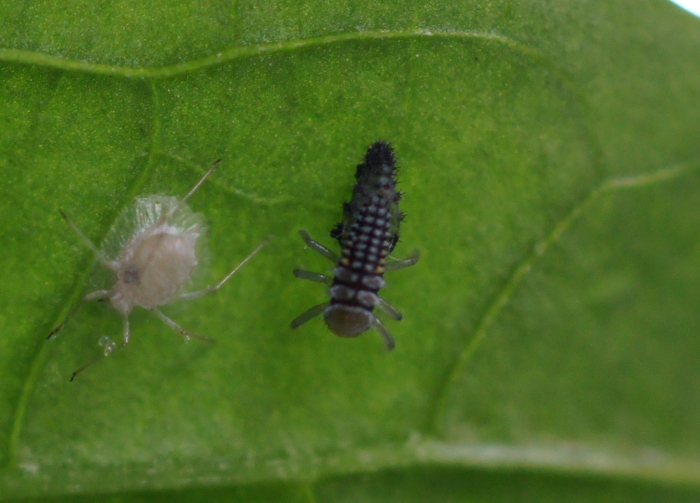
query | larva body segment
[367, 234]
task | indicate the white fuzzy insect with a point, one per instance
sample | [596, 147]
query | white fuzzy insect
[152, 250]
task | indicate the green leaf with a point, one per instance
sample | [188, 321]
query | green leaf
[550, 164]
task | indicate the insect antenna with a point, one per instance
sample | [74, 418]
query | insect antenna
[98, 254]
[179, 204]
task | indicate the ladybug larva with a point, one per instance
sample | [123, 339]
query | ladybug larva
[367, 235]
[152, 251]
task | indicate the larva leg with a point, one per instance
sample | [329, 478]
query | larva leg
[318, 247]
[389, 310]
[316, 277]
[384, 332]
[402, 264]
[310, 314]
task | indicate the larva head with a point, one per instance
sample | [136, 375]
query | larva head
[348, 321]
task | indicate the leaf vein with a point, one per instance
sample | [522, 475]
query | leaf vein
[525, 266]
[234, 53]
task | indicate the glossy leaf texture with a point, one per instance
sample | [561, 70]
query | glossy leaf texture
[550, 161]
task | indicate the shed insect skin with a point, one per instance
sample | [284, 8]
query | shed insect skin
[367, 235]
[154, 265]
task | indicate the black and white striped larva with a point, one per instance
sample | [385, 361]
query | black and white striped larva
[367, 235]
[152, 249]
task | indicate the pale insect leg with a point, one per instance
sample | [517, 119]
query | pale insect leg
[402, 264]
[384, 332]
[318, 247]
[98, 254]
[178, 328]
[212, 289]
[97, 295]
[174, 209]
[110, 347]
[316, 277]
[309, 314]
[389, 310]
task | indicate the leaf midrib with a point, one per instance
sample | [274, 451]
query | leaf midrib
[239, 52]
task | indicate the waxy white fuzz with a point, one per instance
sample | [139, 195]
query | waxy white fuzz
[153, 250]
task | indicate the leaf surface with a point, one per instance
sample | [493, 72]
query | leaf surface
[549, 160]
